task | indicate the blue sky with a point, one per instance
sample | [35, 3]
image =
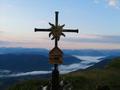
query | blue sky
[97, 20]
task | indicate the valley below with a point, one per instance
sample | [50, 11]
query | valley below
[24, 64]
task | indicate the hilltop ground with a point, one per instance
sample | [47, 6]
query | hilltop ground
[82, 80]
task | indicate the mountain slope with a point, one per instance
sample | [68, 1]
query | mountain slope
[91, 79]
[83, 80]
[29, 62]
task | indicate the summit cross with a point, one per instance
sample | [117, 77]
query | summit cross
[56, 31]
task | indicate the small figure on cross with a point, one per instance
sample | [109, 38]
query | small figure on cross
[56, 31]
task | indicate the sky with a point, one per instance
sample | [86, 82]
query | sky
[97, 20]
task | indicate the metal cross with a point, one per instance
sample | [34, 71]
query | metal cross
[56, 31]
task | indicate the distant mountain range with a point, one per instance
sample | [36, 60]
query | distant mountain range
[93, 52]
[30, 60]
[81, 52]
[19, 50]
[34, 61]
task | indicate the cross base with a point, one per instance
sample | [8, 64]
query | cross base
[55, 78]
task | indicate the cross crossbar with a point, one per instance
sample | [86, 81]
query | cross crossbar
[43, 30]
[56, 25]
[70, 30]
[64, 30]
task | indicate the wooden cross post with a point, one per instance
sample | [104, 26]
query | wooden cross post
[56, 31]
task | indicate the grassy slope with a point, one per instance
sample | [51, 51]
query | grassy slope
[83, 80]
[89, 80]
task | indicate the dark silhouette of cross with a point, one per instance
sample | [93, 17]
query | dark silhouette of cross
[56, 31]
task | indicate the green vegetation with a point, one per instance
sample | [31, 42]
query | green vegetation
[29, 85]
[83, 80]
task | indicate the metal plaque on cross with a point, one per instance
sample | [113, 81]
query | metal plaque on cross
[55, 56]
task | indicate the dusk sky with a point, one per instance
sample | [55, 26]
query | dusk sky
[98, 22]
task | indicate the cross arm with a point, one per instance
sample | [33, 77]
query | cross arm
[44, 30]
[71, 30]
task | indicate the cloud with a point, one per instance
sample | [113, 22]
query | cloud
[4, 42]
[38, 44]
[90, 36]
[95, 39]
[1, 30]
[81, 41]
[26, 74]
[91, 42]
[85, 63]
[111, 3]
